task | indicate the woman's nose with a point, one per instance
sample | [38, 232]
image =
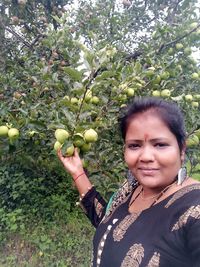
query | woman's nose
[147, 154]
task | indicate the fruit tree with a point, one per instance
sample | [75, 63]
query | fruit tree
[68, 71]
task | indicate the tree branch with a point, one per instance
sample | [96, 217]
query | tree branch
[171, 16]
[91, 78]
[164, 46]
[16, 35]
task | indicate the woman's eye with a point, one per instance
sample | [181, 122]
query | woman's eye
[133, 146]
[161, 145]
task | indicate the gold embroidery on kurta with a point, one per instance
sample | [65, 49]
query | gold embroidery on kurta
[98, 207]
[181, 193]
[155, 260]
[134, 256]
[193, 212]
[121, 229]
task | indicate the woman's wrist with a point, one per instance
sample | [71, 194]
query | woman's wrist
[76, 177]
[78, 174]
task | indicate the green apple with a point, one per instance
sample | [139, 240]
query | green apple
[164, 75]
[138, 86]
[188, 98]
[85, 163]
[197, 133]
[61, 135]
[74, 100]
[165, 93]
[86, 147]
[123, 106]
[193, 25]
[70, 151]
[88, 96]
[197, 96]
[90, 136]
[114, 89]
[94, 100]
[156, 93]
[179, 68]
[192, 141]
[150, 72]
[13, 133]
[179, 46]
[3, 130]
[156, 80]
[123, 86]
[130, 92]
[57, 145]
[40, 253]
[66, 97]
[170, 51]
[187, 51]
[122, 98]
[195, 104]
[195, 76]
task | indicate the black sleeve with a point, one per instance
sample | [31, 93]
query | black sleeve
[94, 206]
[193, 240]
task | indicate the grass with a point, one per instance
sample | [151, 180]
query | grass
[51, 245]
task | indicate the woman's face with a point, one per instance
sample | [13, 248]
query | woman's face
[151, 151]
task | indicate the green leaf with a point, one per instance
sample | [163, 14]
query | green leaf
[105, 75]
[13, 227]
[73, 73]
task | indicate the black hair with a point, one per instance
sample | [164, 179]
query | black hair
[168, 112]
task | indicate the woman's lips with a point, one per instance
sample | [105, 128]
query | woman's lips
[148, 171]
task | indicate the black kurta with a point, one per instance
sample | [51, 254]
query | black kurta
[166, 234]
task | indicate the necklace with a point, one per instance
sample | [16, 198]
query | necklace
[147, 198]
[162, 193]
[159, 195]
[131, 202]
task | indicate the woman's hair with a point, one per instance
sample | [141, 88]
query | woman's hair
[168, 112]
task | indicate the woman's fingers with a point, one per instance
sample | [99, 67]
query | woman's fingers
[70, 163]
[76, 152]
[60, 155]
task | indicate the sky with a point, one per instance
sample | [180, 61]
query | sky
[196, 53]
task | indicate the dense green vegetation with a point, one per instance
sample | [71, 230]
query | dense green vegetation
[76, 67]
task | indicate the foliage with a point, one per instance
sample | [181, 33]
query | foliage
[50, 244]
[26, 197]
[76, 68]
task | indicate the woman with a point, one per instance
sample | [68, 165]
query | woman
[155, 219]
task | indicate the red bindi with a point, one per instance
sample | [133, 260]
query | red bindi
[146, 137]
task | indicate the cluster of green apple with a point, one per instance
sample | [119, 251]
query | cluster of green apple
[163, 93]
[83, 141]
[127, 89]
[194, 139]
[89, 98]
[11, 133]
[155, 76]
[193, 99]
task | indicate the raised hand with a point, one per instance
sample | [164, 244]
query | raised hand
[72, 164]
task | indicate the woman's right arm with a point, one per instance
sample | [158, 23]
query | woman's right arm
[91, 201]
[74, 167]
